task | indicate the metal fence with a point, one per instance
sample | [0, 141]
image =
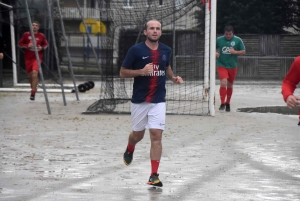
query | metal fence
[264, 67]
[267, 56]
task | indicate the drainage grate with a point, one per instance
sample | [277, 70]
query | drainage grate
[271, 109]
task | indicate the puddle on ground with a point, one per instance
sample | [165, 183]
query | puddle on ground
[271, 109]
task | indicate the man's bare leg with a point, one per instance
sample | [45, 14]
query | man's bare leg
[155, 156]
[156, 144]
[133, 139]
[33, 80]
[30, 79]
[228, 96]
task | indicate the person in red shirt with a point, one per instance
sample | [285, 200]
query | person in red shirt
[31, 62]
[289, 85]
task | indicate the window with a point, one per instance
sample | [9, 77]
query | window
[129, 27]
[179, 4]
[180, 27]
[128, 3]
[104, 4]
[149, 2]
[93, 4]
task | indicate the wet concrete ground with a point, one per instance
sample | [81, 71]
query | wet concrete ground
[68, 156]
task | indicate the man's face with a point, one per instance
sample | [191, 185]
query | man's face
[153, 31]
[228, 35]
[35, 27]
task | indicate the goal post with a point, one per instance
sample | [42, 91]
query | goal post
[213, 4]
[193, 57]
[17, 20]
[13, 42]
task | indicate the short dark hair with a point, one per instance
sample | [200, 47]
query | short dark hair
[228, 28]
[36, 22]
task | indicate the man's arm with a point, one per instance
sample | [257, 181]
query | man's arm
[45, 43]
[217, 53]
[129, 73]
[170, 75]
[289, 84]
[22, 42]
[237, 52]
[241, 50]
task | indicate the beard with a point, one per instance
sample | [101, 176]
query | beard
[152, 40]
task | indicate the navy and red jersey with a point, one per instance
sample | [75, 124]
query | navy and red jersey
[148, 88]
[40, 40]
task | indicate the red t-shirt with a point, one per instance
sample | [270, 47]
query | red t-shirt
[291, 79]
[40, 41]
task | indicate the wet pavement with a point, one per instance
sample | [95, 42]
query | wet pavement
[68, 156]
[270, 109]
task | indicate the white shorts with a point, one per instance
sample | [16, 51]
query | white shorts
[148, 115]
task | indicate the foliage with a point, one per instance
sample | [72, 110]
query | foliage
[296, 24]
[256, 16]
[200, 16]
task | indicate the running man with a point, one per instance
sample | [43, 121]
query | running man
[229, 47]
[289, 85]
[31, 62]
[149, 64]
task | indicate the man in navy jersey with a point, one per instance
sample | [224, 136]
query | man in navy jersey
[149, 64]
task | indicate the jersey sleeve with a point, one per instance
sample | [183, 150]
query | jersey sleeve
[130, 58]
[241, 45]
[291, 79]
[44, 42]
[23, 42]
[169, 59]
[217, 43]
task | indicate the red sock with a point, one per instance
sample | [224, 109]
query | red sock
[223, 92]
[229, 93]
[130, 147]
[154, 166]
[33, 92]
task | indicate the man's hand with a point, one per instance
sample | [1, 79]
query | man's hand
[292, 101]
[148, 69]
[30, 44]
[1, 55]
[39, 48]
[217, 54]
[177, 80]
[232, 51]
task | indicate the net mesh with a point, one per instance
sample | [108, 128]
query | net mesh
[21, 25]
[181, 31]
[182, 25]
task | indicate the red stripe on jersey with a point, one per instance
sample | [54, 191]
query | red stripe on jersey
[153, 79]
